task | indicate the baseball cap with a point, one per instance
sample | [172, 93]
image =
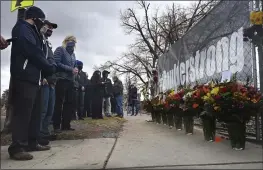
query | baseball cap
[105, 72]
[54, 25]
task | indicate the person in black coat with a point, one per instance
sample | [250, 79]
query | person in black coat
[87, 100]
[81, 90]
[133, 99]
[97, 91]
[27, 62]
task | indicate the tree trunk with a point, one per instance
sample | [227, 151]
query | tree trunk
[9, 107]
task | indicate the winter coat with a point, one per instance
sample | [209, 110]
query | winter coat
[27, 56]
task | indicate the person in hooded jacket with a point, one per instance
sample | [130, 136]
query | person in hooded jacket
[27, 62]
[97, 86]
[81, 97]
[47, 87]
[88, 95]
[64, 104]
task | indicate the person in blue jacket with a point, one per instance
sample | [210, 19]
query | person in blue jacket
[27, 62]
[64, 104]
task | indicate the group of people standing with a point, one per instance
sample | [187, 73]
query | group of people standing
[47, 87]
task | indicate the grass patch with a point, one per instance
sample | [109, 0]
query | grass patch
[86, 129]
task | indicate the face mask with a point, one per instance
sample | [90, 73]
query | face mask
[80, 67]
[70, 47]
[38, 23]
[43, 30]
[49, 33]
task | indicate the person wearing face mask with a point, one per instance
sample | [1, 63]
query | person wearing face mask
[48, 83]
[64, 104]
[82, 84]
[27, 62]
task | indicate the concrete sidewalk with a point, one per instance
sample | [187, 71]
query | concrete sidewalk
[148, 145]
[68, 154]
[141, 145]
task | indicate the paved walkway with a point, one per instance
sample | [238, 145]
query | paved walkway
[141, 145]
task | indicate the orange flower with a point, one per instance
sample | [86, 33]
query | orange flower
[195, 105]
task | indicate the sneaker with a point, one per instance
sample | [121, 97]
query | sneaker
[179, 129]
[21, 156]
[37, 148]
[211, 140]
[170, 127]
[189, 133]
[239, 149]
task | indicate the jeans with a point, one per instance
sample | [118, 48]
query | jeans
[119, 107]
[106, 101]
[48, 93]
[134, 102]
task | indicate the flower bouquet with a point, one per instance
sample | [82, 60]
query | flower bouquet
[154, 103]
[234, 104]
[158, 109]
[173, 101]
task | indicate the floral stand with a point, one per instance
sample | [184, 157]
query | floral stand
[188, 124]
[170, 118]
[158, 116]
[164, 117]
[237, 135]
[209, 128]
[153, 116]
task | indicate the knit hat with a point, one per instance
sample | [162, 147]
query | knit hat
[34, 12]
[79, 63]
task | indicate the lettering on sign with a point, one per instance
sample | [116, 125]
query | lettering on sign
[227, 54]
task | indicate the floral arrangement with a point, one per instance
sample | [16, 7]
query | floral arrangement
[194, 98]
[173, 99]
[233, 99]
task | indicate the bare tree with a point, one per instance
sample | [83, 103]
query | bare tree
[155, 33]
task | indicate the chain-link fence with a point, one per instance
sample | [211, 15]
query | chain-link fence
[213, 49]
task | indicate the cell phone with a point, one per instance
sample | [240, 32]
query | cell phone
[11, 39]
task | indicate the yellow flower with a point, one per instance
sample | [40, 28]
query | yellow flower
[215, 90]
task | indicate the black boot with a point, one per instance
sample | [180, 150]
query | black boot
[21, 156]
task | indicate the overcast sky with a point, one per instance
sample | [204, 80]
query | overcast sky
[96, 25]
